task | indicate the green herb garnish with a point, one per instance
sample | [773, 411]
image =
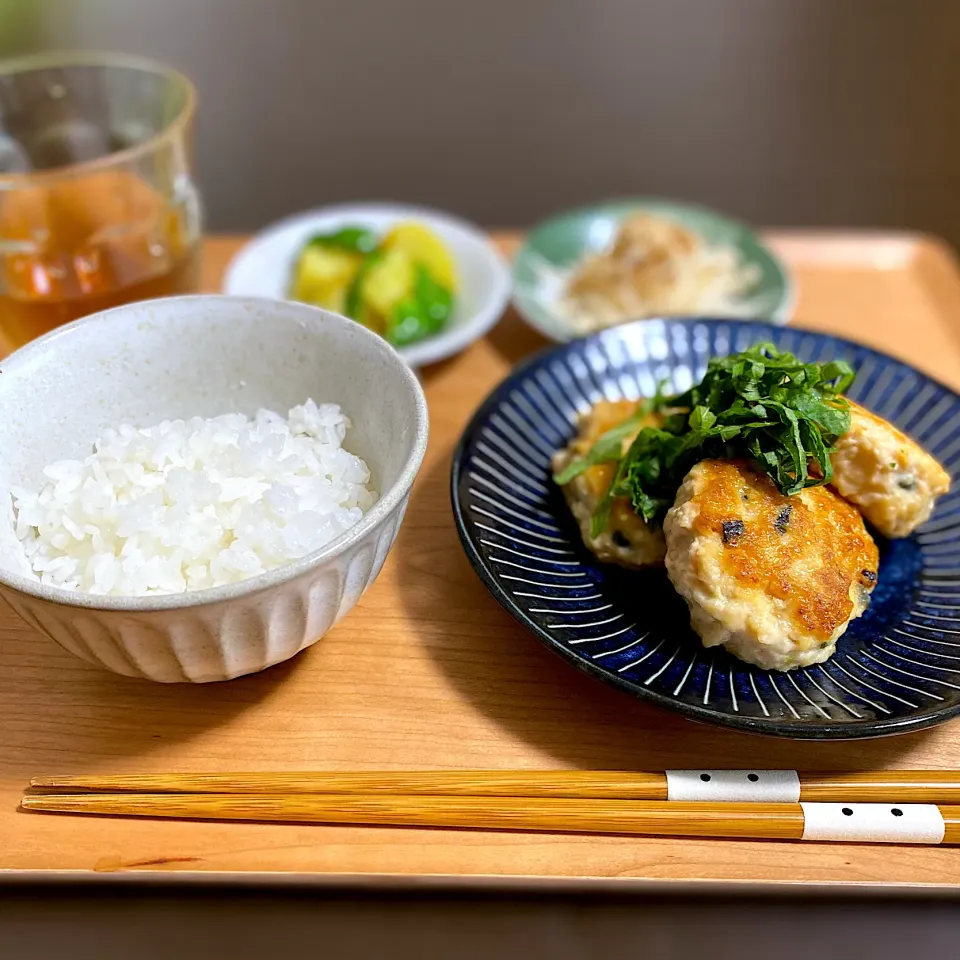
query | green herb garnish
[760, 404]
[609, 445]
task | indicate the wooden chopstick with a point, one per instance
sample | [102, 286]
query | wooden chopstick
[895, 786]
[908, 823]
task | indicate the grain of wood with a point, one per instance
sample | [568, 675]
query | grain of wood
[429, 673]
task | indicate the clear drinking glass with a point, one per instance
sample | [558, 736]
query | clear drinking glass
[97, 202]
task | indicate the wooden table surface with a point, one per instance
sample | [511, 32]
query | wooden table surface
[428, 672]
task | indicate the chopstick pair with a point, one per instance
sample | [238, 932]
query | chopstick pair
[900, 807]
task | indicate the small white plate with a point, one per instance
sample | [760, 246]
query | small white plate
[263, 268]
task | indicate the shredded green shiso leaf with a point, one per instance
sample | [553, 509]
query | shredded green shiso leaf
[760, 404]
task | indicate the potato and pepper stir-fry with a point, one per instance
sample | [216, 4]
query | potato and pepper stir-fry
[401, 285]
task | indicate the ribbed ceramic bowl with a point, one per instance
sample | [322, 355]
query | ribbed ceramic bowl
[204, 356]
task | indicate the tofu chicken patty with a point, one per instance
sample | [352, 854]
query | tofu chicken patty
[774, 579]
[627, 540]
[893, 481]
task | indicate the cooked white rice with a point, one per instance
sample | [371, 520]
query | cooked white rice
[191, 504]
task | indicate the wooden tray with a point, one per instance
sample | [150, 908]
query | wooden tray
[429, 672]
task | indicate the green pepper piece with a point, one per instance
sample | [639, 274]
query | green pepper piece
[355, 239]
[408, 324]
[354, 301]
[423, 314]
[437, 299]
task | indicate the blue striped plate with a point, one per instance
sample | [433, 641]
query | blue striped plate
[897, 668]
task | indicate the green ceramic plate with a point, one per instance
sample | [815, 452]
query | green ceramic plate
[554, 246]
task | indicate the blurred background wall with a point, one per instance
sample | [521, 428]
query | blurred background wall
[788, 112]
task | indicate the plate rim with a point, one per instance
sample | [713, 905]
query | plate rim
[784, 730]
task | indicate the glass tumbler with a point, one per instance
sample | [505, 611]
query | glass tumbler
[98, 206]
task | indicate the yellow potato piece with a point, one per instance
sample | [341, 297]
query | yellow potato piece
[323, 277]
[423, 246]
[388, 282]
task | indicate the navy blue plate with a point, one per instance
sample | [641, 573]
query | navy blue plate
[896, 669]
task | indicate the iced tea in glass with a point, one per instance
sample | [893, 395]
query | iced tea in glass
[98, 205]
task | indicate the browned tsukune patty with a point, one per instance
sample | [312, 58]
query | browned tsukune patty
[774, 579]
[893, 481]
[628, 539]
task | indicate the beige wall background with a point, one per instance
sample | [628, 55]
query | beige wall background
[786, 112]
